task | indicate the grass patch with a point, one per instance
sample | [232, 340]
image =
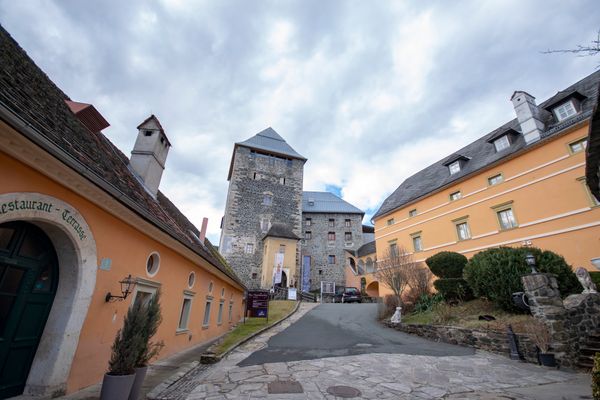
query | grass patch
[467, 314]
[278, 309]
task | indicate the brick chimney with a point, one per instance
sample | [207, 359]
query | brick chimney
[149, 153]
[529, 116]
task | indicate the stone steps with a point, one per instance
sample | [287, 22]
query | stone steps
[588, 350]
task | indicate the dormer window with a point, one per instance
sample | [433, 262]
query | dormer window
[501, 143]
[454, 167]
[565, 110]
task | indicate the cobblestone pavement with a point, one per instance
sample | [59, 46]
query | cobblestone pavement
[386, 376]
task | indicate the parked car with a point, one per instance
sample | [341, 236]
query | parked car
[339, 292]
[351, 294]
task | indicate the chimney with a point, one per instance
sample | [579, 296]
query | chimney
[203, 230]
[149, 153]
[529, 116]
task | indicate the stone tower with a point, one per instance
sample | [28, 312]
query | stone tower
[265, 190]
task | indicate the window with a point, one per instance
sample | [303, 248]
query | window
[267, 199]
[502, 143]
[578, 146]
[147, 133]
[264, 225]
[185, 312]
[565, 110]
[249, 248]
[206, 320]
[348, 236]
[496, 179]
[152, 264]
[331, 236]
[412, 213]
[417, 242]
[454, 167]
[230, 311]
[222, 292]
[320, 272]
[462, 230]
[390, 221]
[210, 287]
[282, 249]
[331, 259]
[331, 222]
[506, 219]
[308, 221]
[347, 223]
[282, 181]
[254, 275]
[220, 315]
[254, 176]
[308, 235]
[191, 279]
[455, 196]
[393, 249]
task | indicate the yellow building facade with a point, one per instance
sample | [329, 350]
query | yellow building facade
[520, 185]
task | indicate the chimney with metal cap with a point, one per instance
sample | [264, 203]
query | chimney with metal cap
[529, 116]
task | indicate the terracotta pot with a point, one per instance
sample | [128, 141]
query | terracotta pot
[116, 387]
[140, 375]
[547, 359]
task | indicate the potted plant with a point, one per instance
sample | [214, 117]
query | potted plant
[539, 333]
[148, 350]
[124, 353]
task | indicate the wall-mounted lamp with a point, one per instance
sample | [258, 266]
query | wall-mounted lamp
[127, 286]
[530, 260]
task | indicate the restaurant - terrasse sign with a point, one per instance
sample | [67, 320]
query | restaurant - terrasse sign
[44, 207]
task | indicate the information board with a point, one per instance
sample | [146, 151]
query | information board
[292, 294]
[257, 303]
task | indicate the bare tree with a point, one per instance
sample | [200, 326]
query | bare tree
[581, 50]
[397, 271]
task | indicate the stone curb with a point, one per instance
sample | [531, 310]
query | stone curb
[182, 371]
[158, 389]
[213, 358]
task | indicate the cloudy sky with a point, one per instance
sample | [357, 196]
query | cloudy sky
[370, 92]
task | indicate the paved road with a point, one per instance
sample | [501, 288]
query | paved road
[336, 330]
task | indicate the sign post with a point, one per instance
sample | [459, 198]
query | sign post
[257, 303]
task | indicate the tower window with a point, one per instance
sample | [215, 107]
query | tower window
[347, 223]
[282, 181]
[331, 223]
[267, 199]
[148, 133]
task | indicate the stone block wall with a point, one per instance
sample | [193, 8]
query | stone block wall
[488, 340]
[318, 247]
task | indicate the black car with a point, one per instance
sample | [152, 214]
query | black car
[351, 295]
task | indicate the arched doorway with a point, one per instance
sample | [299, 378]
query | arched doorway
[283, 279]
[373, 289]
[28, 283]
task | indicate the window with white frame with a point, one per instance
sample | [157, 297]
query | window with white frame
[264, 225]
[282, 248]
[186, 308]
[282, 181]
[331, 259]
[249, 248]
[308, 235]
[331, 222]
[206, 320]
[565, 110]
[506, 218]
[331, 236]
[220, 314]
[393, 249]
[502, 143]
[308, 221]
[230, 311]
[267, 199]
[454, 167]
[412, 213]
[347, 223]
[144, 290]
[462, 230]
[455, 195]
[577, 146]
[417, 242]
[390, 221]
[348, 236]
[496, 179]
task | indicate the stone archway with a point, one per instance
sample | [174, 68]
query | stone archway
[76, 250]
[373, 289]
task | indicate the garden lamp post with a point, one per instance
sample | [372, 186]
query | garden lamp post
[530, 260]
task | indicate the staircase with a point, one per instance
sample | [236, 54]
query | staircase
[587, 350]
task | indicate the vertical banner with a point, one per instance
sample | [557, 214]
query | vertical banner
[306, 274]
[278, 268]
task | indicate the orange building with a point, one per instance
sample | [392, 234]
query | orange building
[522, 184]
[76, 218]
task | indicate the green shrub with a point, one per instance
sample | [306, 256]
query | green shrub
[496, 273]
[447, 264]
[426, 302]
[596, 377]
[454, 289]
[595, 275]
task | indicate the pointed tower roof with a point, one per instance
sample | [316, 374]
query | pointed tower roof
[153, 123]
[267, 141]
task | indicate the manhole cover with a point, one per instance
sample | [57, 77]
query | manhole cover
[345, 392]
[282, 387]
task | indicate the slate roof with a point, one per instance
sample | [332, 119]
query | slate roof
[366, 249]
[481, 153]
[29, 97]
[281, 231]
[325, 202]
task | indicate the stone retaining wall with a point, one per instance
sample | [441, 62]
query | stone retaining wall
[488, 340]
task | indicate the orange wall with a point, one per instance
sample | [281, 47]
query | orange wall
[542, 184]
[353, 280]
[128, 248]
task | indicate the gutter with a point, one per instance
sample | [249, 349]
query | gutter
[20, 125]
